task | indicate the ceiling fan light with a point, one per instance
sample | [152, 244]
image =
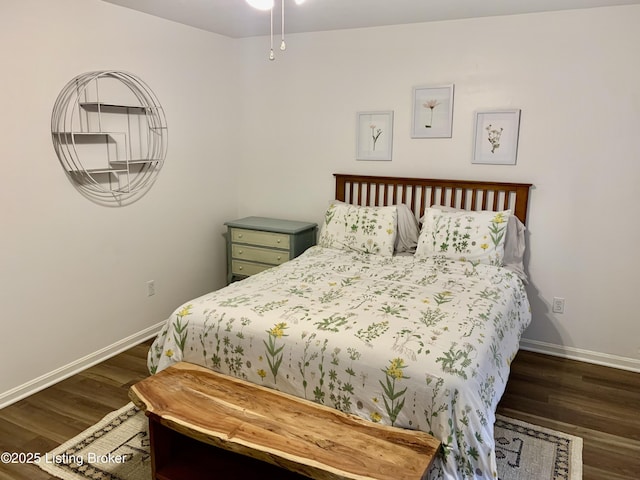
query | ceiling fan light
[268, 5]
[261, 4]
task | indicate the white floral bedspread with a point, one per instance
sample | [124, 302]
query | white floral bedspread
[420, 344]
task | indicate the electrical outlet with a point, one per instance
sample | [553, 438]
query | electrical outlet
[558, 305]
[151, 288]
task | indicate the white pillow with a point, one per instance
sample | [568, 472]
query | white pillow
[361, 229]
[464, 235]
[514, 247]
[514, 243]
[408, 230]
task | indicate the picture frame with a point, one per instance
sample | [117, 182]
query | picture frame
[496, 137]
[432, 112]
[374, 135]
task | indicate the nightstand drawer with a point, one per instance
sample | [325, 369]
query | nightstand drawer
[256, 254]
[239, 267]
[263, 239]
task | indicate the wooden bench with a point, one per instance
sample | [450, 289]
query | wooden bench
[259, 431]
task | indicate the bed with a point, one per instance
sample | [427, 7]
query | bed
[408, 312]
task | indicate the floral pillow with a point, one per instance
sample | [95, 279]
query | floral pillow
[476, 237]
[514, 243]
[361, 229]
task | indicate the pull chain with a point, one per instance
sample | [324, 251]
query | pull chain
[271, 54]
[283, 46]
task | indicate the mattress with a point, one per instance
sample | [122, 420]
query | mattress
[421, 344]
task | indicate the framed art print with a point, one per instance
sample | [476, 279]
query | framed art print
[432, 112]
[374, 135]
[496, 137]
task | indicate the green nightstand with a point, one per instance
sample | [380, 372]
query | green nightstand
[257, 243]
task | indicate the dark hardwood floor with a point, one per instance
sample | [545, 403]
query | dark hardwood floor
[599, 404]
[48, 418]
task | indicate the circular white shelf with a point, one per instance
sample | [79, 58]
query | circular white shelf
[110, 134]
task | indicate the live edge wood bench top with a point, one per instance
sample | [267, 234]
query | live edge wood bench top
[298, 435]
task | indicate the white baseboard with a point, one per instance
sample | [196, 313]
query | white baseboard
[587, 356]
[48, 379]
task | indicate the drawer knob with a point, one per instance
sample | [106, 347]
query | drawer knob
[240, 268]
[239, 252]
[278, 241]
[279, 257]
[239, 235]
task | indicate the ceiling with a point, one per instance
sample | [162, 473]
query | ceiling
[235, 18]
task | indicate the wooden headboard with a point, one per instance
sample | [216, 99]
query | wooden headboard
[421, 193]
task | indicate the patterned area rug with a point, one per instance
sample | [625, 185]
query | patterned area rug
[117, 448]
[528, 452]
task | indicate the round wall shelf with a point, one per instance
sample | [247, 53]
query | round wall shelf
[110, 134]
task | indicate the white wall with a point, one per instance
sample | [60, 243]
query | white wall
[576, 78]
[73, 273]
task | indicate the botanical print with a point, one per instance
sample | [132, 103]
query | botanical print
[273, 352]
[493, 136]
[393, 399]
[498, 228]
[420, 343]
[180, 328]
[496, 137]
[432, 112]
[372, 331]
[342, 389]
[375, 134]
[430, 104]
[308, 356]
[456, 360]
